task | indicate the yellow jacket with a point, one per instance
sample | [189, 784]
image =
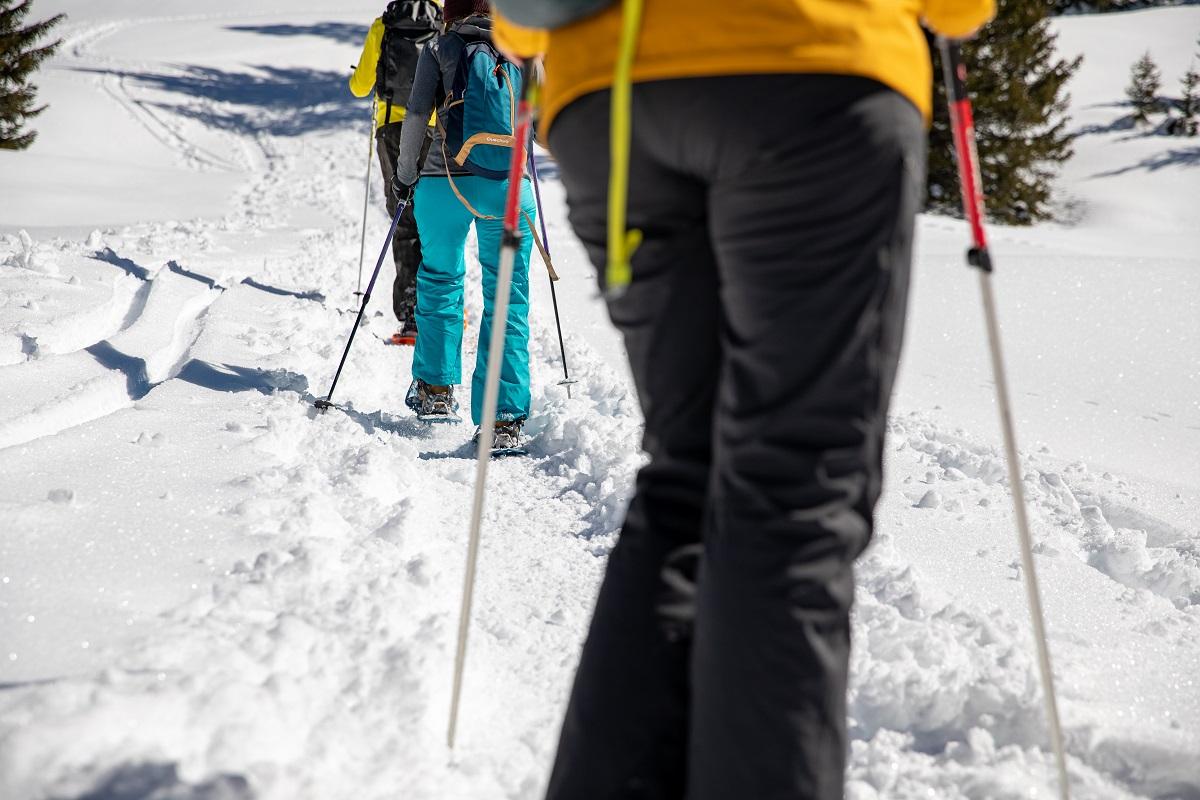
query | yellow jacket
[879, 39]
[362, 81]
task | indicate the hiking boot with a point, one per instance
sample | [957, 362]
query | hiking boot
[407, 335]
[432, 403]
[506, 437]
[407, 332]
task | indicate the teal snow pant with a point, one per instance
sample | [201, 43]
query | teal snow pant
[443, 223]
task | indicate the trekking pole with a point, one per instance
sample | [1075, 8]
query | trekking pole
[366, 298]
[562, 348]
[362, 245]
[963, 127]
[508, 252]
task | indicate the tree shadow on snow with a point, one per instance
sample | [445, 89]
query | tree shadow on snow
[1124, 123]
[1182, 157]
[148, 780]
[282, 101]
[340, 32]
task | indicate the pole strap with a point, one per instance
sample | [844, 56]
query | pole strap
[541, 246]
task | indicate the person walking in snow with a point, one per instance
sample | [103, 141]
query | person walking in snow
[775, 167]
[450, 196]
[386, 66]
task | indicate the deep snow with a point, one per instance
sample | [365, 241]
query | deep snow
[209, 590]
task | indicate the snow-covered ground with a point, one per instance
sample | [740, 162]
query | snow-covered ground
[209, 590]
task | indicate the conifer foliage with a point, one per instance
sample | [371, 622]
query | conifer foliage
[1189, 103]
[1145, 81]
[20, 56]
[1188, 123]
[1018, 88]
[1102, 6]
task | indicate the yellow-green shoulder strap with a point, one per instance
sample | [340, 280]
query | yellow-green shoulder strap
[622, 242]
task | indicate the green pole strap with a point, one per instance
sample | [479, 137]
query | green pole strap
[621, 242]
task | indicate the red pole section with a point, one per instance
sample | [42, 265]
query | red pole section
[962, 124]
[512, 204]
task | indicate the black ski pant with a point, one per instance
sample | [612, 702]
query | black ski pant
[406, 245]
[763, 327]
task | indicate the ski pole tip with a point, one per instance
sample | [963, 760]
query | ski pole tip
[322, 405]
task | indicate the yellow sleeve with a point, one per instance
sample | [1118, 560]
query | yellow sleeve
[516, 40]
[958, 19]
[363, 79]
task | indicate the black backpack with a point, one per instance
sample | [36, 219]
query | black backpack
[406, 23]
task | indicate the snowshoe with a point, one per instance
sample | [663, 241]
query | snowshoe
[432, 403]
[506, 438]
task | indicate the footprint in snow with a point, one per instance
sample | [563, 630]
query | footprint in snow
[147, 440]
[62, 497]
[930, 499]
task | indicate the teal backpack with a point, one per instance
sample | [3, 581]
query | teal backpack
[479, 116]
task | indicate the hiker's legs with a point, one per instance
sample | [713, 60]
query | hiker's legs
[625, 732]
[488, 198]
[406, 243]
[811, 217]
[444, 225]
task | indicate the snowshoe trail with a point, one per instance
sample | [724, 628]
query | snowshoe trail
[51, 393]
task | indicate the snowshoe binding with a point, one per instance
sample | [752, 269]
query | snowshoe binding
[432, 403]
[506, 438]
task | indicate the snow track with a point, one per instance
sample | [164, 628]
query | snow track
[47, 395]
[75, 332]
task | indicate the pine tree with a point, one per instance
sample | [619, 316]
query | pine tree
[1144, 82]
[1189, 102]
[19, 57]
[1103, 6]
[1017, 85]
